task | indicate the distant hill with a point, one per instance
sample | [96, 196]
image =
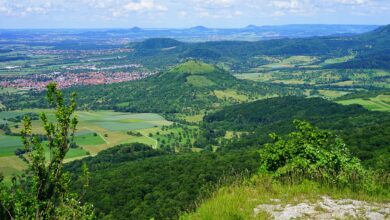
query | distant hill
[191, 86]
[199, 28]
[372, 49]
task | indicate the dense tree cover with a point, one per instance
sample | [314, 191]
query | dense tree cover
[374, 53]
[185, 88]
[118, 154]
[43, 191]
[366, 133]
[157, 186]
[12, 58]
[157, 43]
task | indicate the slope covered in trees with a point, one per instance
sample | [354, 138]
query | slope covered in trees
[372, 49]
[366, 132]
[152, 184]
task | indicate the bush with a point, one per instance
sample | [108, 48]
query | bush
[311, 153]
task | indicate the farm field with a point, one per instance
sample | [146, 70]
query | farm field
[254, 76]
[8, 145]
[290, 62]
[331, 94]
[97, 130]
[230, 94]
[378, 103]
[317, 77]
[338, 59]
[11, 165]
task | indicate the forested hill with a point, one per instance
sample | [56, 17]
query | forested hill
[366, 132]
[149, 184]
[187, 87]
[250, 116]
[372, 50]
[192, 86]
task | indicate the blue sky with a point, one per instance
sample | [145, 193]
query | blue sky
[187, 13]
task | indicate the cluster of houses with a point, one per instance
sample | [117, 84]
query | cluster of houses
[67, 79]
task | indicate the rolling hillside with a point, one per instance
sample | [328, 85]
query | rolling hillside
[189, 87]
[372, 49]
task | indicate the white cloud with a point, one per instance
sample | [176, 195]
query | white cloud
[144, 5]
[216, 4]
[25, 7]
[301, 7]
[238, 13]
[194, 11]
[278, 14]
[353, 2]
[285, 4]
[183, 13]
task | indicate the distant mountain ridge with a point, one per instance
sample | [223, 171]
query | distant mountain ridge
[193, 34]
[373, 49]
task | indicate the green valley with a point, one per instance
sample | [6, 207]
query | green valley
[171, 124]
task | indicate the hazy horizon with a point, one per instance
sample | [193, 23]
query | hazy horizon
[179, 28]
[168, 14]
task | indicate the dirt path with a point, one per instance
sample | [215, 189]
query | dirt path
[100, 135]
[156, 142]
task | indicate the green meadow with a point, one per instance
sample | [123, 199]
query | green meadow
[89, 139]
[378, 103]
[8, 145]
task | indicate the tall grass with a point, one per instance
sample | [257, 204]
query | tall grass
[372, 182]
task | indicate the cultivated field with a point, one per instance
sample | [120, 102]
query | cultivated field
[97, 130]
[378, 103]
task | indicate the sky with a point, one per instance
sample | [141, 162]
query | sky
[188, 13]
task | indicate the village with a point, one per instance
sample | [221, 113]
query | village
[39, 82]
[79, 52]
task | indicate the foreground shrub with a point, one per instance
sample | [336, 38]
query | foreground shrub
[311, 153]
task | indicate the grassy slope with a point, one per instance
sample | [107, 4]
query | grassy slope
[239, 200]
[8, 145]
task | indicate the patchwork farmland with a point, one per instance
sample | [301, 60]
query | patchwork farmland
[97, 131]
